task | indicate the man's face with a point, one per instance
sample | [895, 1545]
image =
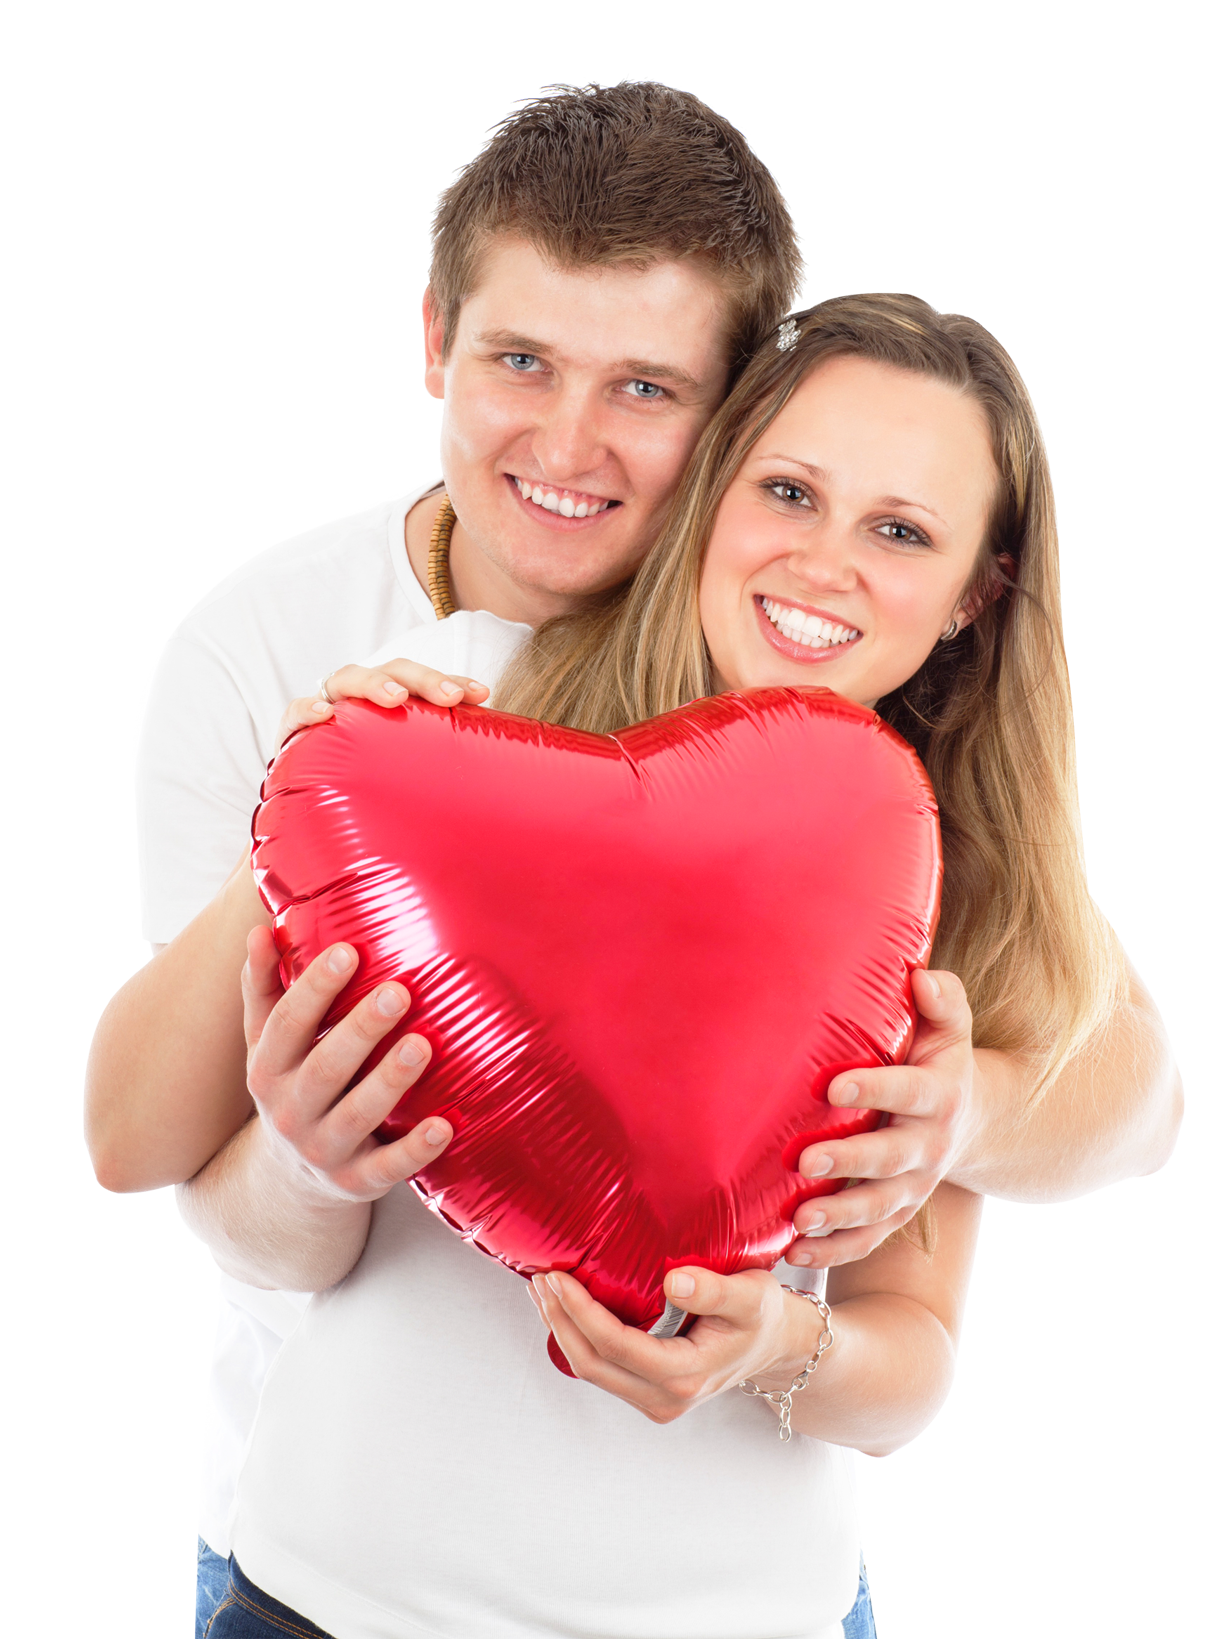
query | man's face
[572, 401]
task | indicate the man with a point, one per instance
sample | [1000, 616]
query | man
[598, 273]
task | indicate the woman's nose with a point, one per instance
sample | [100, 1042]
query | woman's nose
[826, 558]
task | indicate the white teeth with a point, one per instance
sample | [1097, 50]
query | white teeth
[812, 631]
[549, 501]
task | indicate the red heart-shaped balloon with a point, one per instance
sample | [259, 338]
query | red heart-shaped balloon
[640, 958]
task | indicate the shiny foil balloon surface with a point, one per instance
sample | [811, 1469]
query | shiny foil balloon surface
[640, 959]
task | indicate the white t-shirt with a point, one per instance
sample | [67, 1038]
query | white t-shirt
[420, 1468]
[262, 638]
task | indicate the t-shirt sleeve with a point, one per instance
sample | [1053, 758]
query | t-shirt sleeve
[199, 773]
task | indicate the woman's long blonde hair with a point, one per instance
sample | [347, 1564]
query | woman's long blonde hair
[989, 713]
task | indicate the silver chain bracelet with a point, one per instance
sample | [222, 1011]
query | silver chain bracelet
[782, 1399]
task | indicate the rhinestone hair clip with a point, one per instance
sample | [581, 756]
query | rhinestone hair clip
[787, 335]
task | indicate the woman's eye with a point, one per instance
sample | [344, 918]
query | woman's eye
[521, 361]
[645, 389]
[903, 534]
[792, 494]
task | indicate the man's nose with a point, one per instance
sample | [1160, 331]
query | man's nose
[569, 440]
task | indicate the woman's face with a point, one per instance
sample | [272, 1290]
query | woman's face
[841, 550]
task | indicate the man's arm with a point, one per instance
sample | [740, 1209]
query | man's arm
[165, 1083]
[962, 1114]
[1114, 1113]
[287, 1201]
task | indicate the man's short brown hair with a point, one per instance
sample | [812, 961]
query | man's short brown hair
[634, 173]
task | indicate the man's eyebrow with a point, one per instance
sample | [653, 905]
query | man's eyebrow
[643, 370]
[885, 500]
[510, 342]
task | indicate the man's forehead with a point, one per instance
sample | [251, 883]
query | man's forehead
[669, 320]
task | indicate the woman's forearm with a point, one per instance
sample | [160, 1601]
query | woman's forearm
[896, 1321]
[269, 1223]
[886, 1375]
[165, 1084]
[1113, 1113]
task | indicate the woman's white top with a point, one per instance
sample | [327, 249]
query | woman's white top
[419, 1467]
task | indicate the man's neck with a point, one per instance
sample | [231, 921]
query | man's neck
[476, 582]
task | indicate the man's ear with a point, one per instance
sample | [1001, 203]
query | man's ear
[433, 344]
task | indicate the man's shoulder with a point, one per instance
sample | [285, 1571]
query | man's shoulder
[350, 579]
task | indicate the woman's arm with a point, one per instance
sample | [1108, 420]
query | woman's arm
[896, 1317]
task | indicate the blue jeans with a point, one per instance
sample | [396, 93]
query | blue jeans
[860, 1623]
[246, 1613]
[212, 1576]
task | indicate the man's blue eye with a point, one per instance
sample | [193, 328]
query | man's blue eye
[521, 361]
[645, 389]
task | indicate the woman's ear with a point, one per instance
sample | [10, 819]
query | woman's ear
[433, 345]
[988, 589]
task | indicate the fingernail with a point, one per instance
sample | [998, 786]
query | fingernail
[449, 688]
[817, 1225]
[819, 1167]
[801, 1260]
[845, 1094]
[388, 1002]
[393, 688]
[435, 1133]
[409, 1052]
[321, 707]
[553, 1281]
[816, 1234]
[682, 1286]
[340, 960]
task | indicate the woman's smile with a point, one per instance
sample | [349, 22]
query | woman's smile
[848, 540]
[802, 632]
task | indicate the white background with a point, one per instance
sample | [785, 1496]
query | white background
[217, 219]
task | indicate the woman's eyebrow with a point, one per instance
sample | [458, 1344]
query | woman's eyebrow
[821, 476]
[920, 506]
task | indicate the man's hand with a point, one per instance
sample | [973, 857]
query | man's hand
[321, 1133]
[749, 1327]
[931, 1104]
[389, 685]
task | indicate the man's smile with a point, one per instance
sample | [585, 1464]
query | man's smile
[557, 501]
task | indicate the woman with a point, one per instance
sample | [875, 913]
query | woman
[870, 511]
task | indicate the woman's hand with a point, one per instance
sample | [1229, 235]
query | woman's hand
[749, 1327]
[933, 1108]
[323, 1136]
[389, 685]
